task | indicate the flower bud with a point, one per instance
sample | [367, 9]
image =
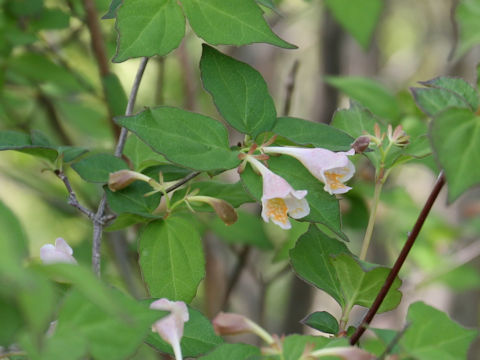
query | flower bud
[231, 324]
[121, 179]
[224, 210]
[60, 253]
[361, 144]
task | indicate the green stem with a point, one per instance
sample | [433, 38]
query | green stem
[371, 219]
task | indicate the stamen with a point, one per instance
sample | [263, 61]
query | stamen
[277, 209]
[334, 180]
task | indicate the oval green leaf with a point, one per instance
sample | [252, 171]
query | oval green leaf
[185, 138]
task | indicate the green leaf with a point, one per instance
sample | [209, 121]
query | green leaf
[354, 121]
[40, 69]
[466, 15]
[198, 337]
[112, 10]
[297, 230]
[13, 243]
[239, 91]
[148, 28]
[104, 335]
[115, 95]
[360, 286]
[185, 138]
[171, 258]
[132, 200]
[12, 322]
[169, 173]
[294, 345]
[13, 140]
[455, 135]
[125, 220]
[305, 132]
[456, 85]
[374, 96]
[358, 17]
[140, 154]
[322, 321]
[234, 194]
[311, 260]
[433, 335]
[233, 22]
[324, 208]
[248, 230]
[327, 264]
[97, 167]
[433, 100]
[25, 7]
[232, 352]
[51, 19]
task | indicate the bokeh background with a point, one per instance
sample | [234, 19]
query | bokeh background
[50, 83]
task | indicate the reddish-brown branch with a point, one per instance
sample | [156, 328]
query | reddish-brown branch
[400, 260]
[98, 47]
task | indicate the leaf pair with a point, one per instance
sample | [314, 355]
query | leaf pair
[328, 264]
[148, 28]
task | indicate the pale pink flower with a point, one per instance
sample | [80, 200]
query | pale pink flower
[170, 327]
[279, 198]
[331, 168]
[60, 253]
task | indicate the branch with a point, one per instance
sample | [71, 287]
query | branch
[97, 236]
[72, 197]
[99, 218]
[241, 263]
[131, 103]
[183, 181]
[400, 260]
[53, 117]
[290, 86]
[98, 48]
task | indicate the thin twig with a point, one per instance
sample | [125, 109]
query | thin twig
[188, 84]
[98, 221]
[394, 342]
[289, 87]
[183, 181]
[72, 197]
[241, 263]
[400, 260]
[131, 103]
[97, 236]
[53, 117]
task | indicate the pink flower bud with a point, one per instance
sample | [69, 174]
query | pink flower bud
[121, 179]
[170, 327]
[60, 253]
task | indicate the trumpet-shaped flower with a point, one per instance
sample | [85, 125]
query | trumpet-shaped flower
[60, 253]
[331, 168]
[170, 327]
[279, 198]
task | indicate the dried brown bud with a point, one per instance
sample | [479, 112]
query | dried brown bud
[361, 144]
[121, 179]
[231, 324]
[224, 210]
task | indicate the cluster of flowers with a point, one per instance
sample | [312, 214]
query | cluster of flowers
[170, 327]
[280, 199]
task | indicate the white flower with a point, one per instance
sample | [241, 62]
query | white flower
[331, 168]
[60, 253]
[279, 198]
[170, 327]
